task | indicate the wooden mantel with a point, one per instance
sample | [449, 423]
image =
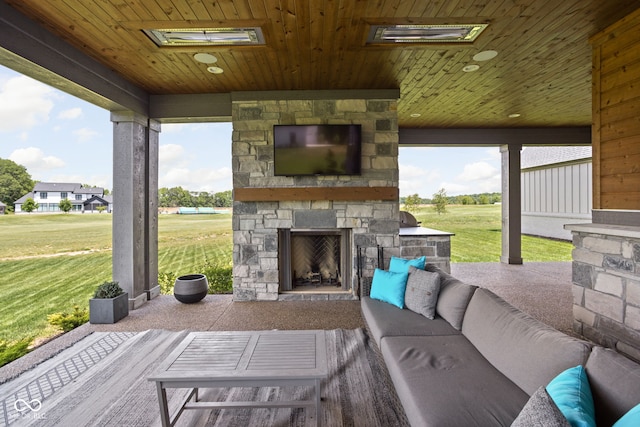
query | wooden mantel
[251, 194]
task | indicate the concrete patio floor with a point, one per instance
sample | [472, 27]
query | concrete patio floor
[541, 289]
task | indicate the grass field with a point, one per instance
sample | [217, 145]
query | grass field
[478, 236]
[51, 262]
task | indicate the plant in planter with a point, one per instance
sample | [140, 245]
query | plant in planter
[109, 304]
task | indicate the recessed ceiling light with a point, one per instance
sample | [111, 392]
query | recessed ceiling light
[471, 68]
[215, 70]
[206, 36]
[514, 115]
[459, 33]
[415, 115]
[205, 58]
[485, 55]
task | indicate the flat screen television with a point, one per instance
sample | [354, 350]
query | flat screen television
[317, 150]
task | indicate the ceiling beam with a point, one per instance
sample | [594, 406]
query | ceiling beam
[489, 137]
[29, 49]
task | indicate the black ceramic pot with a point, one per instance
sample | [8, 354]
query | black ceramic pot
[191, 288]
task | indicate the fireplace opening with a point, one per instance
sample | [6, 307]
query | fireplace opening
[314, 260]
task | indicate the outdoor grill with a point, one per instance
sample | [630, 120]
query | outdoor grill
[408, 220]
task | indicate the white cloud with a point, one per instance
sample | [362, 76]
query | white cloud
[494, 153]
[477, 171]
[213, 180]
[84, 134]
[454, 189]
[24, 103]
[173, 127]
[103, 181]
[171, 155]
[70, 114]
[34, 159]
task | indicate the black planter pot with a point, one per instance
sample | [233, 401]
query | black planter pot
[191, 288]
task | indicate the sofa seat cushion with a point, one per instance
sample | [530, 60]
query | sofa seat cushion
[524, 349]
[615, 384]
[387, 320]
[445, 381]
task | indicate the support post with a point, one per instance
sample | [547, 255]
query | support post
[135, 206]
[511, 205]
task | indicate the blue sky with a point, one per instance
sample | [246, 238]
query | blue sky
[60, 138]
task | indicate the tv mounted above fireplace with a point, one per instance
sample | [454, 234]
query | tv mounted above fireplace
[317, 149]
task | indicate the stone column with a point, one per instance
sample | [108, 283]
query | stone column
[511, 209]
[135, 206]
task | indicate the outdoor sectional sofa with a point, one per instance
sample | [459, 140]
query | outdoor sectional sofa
[479, 361]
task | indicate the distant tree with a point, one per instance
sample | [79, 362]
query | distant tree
[440, 201]
[223, 199]
[15, 182]
[29, 205]
[101, 209]
[174, 197]
[205, 199]
[64, 205]
[483, 199]
[466, 200]
[411, 202]
[106, 192]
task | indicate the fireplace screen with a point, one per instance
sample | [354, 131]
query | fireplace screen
[312, 258]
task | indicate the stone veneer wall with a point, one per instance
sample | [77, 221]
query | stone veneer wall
[606, 285]
[256, 223]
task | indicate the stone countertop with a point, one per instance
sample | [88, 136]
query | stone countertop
[605, 229]
[423, 232]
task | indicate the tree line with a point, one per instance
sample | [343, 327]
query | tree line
[465, 199]
[178, 196]
[15, 182]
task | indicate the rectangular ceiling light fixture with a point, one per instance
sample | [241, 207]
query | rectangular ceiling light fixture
[206, 36]
[458, 33]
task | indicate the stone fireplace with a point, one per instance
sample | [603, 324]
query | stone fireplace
[314, 259]
[274, 216]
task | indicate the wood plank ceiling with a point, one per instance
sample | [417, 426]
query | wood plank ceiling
[542, 71]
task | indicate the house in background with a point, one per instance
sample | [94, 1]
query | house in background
[556, 189]
[3, 208]
[83, 199]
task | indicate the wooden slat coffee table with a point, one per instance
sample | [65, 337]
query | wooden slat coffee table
[243, 359]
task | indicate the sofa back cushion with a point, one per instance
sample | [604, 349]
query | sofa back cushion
[615, 384]
[524, 349]
[453, 298]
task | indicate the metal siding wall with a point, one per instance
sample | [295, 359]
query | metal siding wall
[563, 190]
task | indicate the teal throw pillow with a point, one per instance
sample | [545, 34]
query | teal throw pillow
[389, 287]
[571, 392]
[401, 265]
[630, 419]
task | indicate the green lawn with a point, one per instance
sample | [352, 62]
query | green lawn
[51, 262]
[37, 279]
[478, 236]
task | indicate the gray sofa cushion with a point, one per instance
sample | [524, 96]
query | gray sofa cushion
[453, 297]
[524, 349]
[421, 294]
[540, 411]
[615, 384]
[384, 319]
[444, 381]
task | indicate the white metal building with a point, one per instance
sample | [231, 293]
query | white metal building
[556, 189]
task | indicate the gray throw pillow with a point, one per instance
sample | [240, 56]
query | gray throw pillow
[422, 291]
[540, 411]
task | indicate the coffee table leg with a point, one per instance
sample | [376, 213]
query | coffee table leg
[318, 401]
[164, 407]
